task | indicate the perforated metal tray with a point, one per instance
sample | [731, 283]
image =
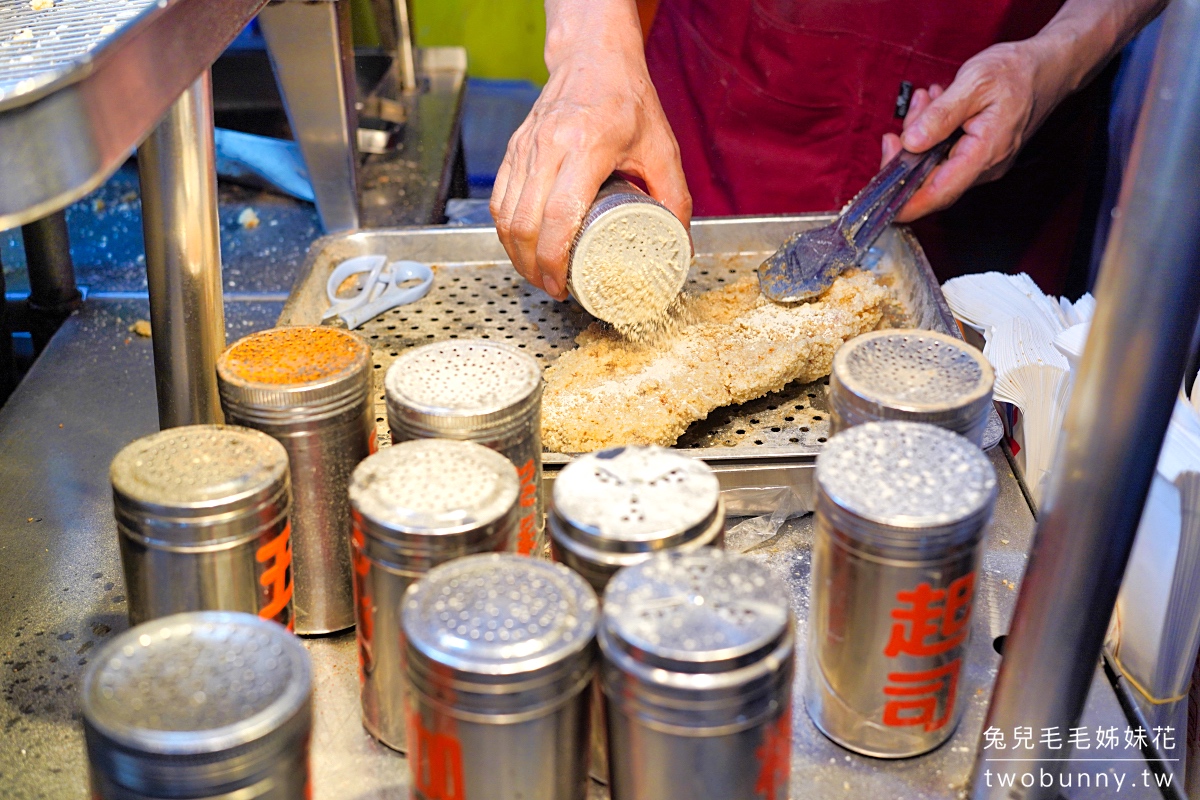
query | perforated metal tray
[769, 442]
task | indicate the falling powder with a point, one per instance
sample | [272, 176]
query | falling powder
[628, 266]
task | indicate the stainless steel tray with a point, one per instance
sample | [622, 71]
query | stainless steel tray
[769, 442]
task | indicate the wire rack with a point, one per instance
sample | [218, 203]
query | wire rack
[43, 42]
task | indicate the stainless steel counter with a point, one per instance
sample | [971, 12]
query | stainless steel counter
[61, 592]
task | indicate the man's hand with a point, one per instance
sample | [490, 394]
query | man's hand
[598, 114]
[998, 101]
[1002, 95]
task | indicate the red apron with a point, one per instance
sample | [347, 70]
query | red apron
[779, 106]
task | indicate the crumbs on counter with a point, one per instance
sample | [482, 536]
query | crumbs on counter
[248, 219]
[141, 328]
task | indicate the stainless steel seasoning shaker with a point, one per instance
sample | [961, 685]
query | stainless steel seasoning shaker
[310, 388]
[619, 506]
[202, 522]
[499, 651]
[416, 505]
[199, 705]
[900, 514]
[630, 258]
[477, 391]
[911, 375]
[698, 653]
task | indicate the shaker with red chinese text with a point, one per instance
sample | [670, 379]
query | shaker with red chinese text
[901, 509]
[211, 705]
[698, 655]
[309, 387]
[416, 505]
[203, 522]
[620, 506]
[477, 391]
[499, 652]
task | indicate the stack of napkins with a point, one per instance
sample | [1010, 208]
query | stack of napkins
[1034, 342]
[1155, 632]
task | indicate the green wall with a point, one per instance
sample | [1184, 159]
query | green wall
[503, 38]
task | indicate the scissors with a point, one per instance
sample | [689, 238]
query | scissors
[378, 287]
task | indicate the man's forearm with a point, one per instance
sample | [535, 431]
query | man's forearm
[1085, 34]
[575, 24]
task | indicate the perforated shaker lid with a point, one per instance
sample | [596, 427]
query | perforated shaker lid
[500, 615]
[462, 386]
[199, 683]
[907, 475]
[630, 258]
[700, 611]
[634, 499]
[283, 368]
[924, 375]
[434, 487]
[195, 472]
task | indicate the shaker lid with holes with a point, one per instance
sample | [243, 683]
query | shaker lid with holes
[465, 383]
[917, 372]
[434, 486]
[699, 611]
[195, 684]
[499, 615]
[197, 471]
[907, 475]
[635, 499]
[294, 366]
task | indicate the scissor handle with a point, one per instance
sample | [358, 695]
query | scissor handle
[349, 268]
[393, 294]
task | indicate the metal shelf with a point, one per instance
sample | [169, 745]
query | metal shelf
[83, 82]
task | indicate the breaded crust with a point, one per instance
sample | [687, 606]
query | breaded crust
[736, 346]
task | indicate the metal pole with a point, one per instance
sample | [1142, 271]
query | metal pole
[1148, 297]
[183, 258]
[53, 294]
[8, 372]
[312, 55]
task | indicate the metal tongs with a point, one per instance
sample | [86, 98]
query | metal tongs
[807, 263]
[364, 287]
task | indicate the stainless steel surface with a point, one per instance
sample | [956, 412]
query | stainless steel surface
[901, 510]
[101, 390]
[405, 57]
[618, 507]
[87, 83]
[313, 59]
[698, 664]
[310, 388]
[202, 518]
[807, 263]
[176, 164]
[478, 391]
[625, 226]
[499, 652]
[417, 505]
[769, 442]
[409, 185]
[1132, 368]
[199, 704]
[919, 376]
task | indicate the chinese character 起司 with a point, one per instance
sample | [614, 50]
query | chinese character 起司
[929, 622]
